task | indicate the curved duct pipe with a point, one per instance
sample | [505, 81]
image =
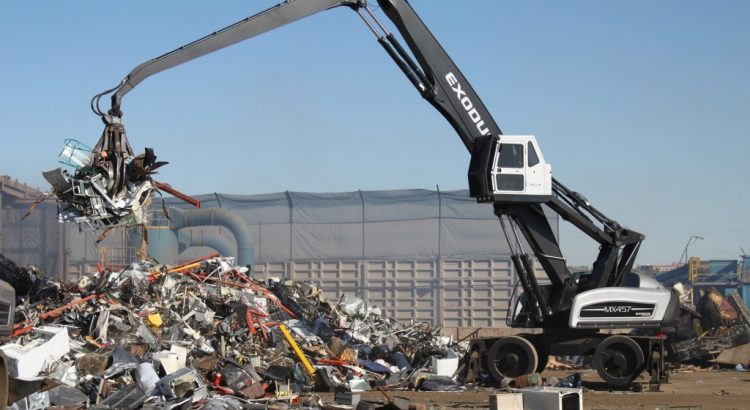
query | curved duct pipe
[162, 244]
[184, 218]
[189, 237]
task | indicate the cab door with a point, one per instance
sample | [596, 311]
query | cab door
[536, 170]
[510, 173]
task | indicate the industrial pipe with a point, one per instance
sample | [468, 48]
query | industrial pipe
[162, 244]
[183, 218]
[189, 237]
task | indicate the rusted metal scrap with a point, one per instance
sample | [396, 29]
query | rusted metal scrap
[727, 325]
[716, 309]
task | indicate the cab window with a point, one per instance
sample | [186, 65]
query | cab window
[511, 156]
[533, 158]
[509, 182]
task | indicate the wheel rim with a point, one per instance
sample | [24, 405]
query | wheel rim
[511, 360]
[618, 361]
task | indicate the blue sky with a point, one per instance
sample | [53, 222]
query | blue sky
[641, 106]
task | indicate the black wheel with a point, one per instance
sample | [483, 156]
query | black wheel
[543, 360]
[618, 360]
[511, 356]
[542, 349]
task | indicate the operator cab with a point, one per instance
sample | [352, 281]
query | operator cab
[513, 170]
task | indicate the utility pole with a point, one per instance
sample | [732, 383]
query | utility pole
[691, 240]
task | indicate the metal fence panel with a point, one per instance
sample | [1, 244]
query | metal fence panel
[448, 292]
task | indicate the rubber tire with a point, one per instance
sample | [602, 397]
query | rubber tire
[519, 347]
[629, 350]
[542, 349]
[543, 360]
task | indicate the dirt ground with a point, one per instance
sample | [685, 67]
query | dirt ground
[686, 390]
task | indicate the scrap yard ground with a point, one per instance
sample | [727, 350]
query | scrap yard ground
[686, 390]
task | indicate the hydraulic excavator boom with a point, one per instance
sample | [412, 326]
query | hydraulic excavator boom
[510, 173]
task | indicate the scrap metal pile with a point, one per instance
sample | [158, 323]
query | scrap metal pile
[205, 334]
[717, 330]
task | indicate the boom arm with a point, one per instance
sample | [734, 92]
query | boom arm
[437, 77]
[252, 26]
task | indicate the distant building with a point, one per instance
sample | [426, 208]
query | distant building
[726, 275]
[653, 269]
[30, 239]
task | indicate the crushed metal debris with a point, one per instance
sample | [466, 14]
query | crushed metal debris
[717, 331]
[206, 334]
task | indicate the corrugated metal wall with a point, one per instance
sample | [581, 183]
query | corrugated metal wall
[722, 266]
[449, 292]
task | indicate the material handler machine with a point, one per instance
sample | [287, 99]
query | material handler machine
[509, 173]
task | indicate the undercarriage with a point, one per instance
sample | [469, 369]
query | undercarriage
[617, 358]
